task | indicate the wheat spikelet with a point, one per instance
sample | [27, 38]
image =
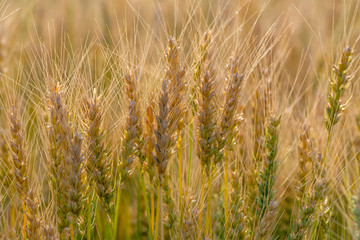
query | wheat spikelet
[231, 117]
[176, 84]
[199, 68]
[97, 164]
[163, 140]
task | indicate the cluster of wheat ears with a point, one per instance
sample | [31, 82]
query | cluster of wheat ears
[214, 139]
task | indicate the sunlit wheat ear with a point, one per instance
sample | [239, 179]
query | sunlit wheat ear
[133, 131]
[268, 172]
[98, 164]
[338, 83]
[19, 156]
[33, 222]
[19, 162]
[177, 86]
[206, 118]
[198, 70]
[231, 117]
[163, 142]
[206, 138]
[59, 135]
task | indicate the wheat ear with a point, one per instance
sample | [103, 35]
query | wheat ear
[162, 145]
[206, 135]
[98, 164]
[19, 162]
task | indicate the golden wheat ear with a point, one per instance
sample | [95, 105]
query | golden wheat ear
[98, 164]
[163, 142]
[19, 156]
[59, 137]
[133, 129]
[19, 163]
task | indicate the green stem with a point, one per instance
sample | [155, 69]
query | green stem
[138, 210]
[161, 213]
[142, 182]
[190, 151]
[90, 216]
[226, 204]
[180, 180]
[202, 196]
[116, 216]
[157, 214]
[208, 205]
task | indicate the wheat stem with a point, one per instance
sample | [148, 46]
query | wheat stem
[226, 191]
[202, 196]
[142, 182]
[180, 180]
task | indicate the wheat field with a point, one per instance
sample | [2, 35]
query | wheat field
[167, 119]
